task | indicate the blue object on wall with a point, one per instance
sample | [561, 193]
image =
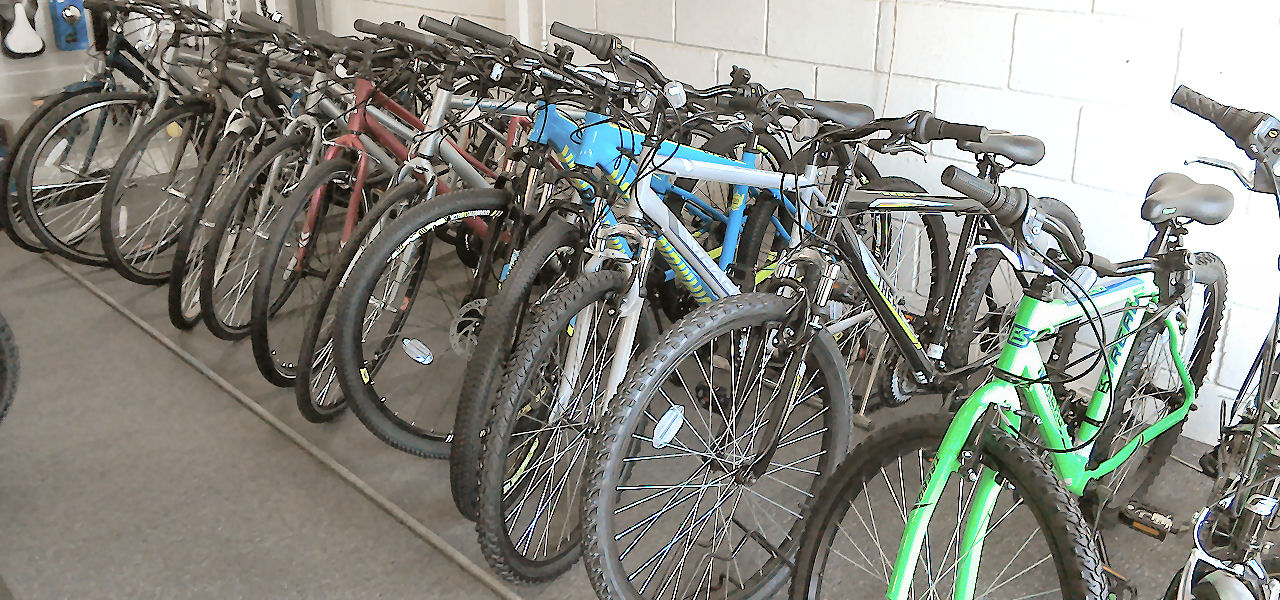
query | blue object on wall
[69, 27]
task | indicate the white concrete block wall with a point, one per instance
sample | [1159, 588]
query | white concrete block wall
[1090, 77]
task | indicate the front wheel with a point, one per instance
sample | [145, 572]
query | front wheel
[685, 496]
[1036, 543]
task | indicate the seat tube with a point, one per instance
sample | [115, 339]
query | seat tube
[736, 216]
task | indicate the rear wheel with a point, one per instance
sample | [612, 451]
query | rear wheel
[150, 188]
[241, 231]
[58, 179]
[1149, 387]
[406, 318]
[11, 221]
[296, 262]
[315, 384]
[225, 166]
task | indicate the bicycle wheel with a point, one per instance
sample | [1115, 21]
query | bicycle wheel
[11, 221]
[315, 383]
[211, 195]
[1036, 544]
[8, 367]
[551, 401]
[150, 189]
[296, 261]
[406, 316]
[545, 264]
[240, 233]
[680, 439]
[58, 177]
[1149, 387]
[989, 296]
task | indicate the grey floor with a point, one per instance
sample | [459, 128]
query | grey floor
[126, 473]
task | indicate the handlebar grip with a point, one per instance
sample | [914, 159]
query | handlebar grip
[570, 34]
[482, 33]
[1007, 204]
[602, 46]
[261, 23]
[934, 128]
[433, 25]
[404, 34]
[368, 27]
[1237, 123]
[97, 4]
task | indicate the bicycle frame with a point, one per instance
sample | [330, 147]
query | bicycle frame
[1003, 399]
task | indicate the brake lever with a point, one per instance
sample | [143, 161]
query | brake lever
[1245, 178]
[894, 146]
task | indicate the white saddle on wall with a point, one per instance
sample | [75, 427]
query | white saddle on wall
[22, 39]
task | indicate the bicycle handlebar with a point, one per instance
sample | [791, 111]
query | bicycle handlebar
[262, 23]
[601, 45]
[483, 34]
[434, 25]
[1237, 123]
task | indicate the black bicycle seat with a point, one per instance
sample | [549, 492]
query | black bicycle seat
[1175, 195]
[848, 114]
[1021, 149]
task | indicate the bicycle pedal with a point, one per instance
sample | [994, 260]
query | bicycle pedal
[1147, 521]
[1121, 588]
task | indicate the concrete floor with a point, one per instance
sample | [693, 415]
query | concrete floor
[126, 473]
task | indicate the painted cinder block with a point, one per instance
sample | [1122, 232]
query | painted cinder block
[1105, 59]
[977, 47]
[653, 19]
[835, 32]
[694, 66]
[726, 24]
[578, 13]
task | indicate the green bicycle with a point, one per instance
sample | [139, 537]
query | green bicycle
[985, 495]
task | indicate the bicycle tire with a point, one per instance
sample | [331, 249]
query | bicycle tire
[498, 334]
[9, 367]
[238, 217]
[145, 264]
[1211, 272]
[525, 367]
[319, 333]
[274, 351]
[606, 462]
[10, 219]
[353, 371]
[973, 294]
[35, 212]
[1055, 510]
[185, 310]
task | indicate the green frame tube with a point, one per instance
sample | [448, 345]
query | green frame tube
[1034, 321]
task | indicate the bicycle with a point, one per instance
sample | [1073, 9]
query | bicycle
[998, 434]
[53, 177]
[1230, 557]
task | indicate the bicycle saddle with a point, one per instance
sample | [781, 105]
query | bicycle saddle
[848, 114]
[1176, 195]
[1021, 149]
[17, 24]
